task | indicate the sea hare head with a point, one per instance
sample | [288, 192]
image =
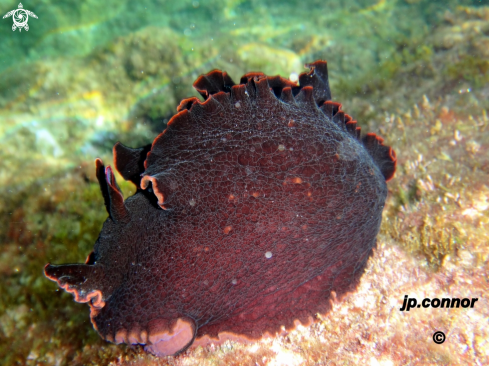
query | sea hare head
[114, 274]
[251, 208]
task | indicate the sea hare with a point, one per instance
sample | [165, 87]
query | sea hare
[251, 209]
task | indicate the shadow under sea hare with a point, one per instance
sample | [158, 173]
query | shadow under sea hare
[251, 209]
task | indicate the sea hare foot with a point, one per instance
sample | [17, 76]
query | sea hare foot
[251, 208]
[164, 343]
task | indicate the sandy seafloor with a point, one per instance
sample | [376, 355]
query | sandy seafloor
[88, 74]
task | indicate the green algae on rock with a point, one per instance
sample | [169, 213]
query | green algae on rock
[446, 207]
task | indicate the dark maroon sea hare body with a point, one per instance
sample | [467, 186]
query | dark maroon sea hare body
[252, 207]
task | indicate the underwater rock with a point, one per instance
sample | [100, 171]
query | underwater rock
[251, 209]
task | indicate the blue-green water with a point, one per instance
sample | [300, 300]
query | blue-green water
[77, 28]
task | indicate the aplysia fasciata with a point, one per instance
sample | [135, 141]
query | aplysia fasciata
[251, 208]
